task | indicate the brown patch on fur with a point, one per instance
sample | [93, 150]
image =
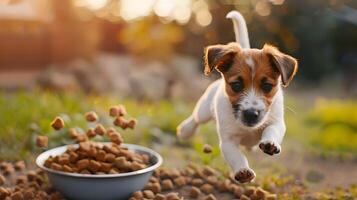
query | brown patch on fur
[219, 57]
[269, 64]
[285, 64]
[252, 76]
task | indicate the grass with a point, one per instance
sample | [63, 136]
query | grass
[336, 125]
[324, 129]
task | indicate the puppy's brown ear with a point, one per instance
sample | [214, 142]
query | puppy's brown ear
[219, 57]
[285, 64]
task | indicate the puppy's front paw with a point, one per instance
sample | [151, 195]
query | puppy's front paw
[187, 128]
[244, 175]
[270, 147]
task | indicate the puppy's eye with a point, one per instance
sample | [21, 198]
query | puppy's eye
[237, 86]
[266, 87]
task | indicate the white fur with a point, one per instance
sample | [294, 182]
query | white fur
[250, 62]
[240, 28]
[252, 100]
[214, 104]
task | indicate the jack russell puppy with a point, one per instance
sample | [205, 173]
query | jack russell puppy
[247, 102]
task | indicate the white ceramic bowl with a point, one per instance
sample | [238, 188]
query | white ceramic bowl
[100, 187]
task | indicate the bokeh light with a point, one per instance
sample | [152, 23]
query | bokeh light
[203, 17]
[133, 9]
[263, 8]
[91, 4]
[182, 15]
[168, 11]
[164, 8]
[277, 2]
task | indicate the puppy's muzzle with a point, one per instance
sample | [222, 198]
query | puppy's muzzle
[251, 117]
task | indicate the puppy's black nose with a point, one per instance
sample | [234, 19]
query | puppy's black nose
[251, 116]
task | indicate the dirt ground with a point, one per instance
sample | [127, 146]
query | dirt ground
[315, 172]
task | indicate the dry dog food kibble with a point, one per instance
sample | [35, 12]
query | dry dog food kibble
[237, 191]
[249, 191]
[180, 181]
[42, 141]
[121, 122]
[195, 192]
[160, 197]
[260, 193]
[148, 194]
[81, 138]
[91, 133]
[4, 193]
[91, 116]
[167, 184]
[207, 188]
[57, 123]
[116, 138]
[23, 184]
[243, 197]
[154, 187]
[197, 182]
[138, 195]
[210, 197]
[172, 196]
[210, 185]
[100, 130]
[207, 148]
[2, 180]
[122, 110]
[95, 158]
[132, 123]
[116, 111]
[19, 165]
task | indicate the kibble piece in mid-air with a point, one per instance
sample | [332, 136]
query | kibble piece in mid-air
[207, 148]
[57, 123]
[132, 123]
[91, 116]
[42, 141]
[100, 130]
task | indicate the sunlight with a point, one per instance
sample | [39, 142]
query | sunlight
[164, 8]
[91, 4]
[262, 8]
[199, 5]
[182, 15]
[203, 17]
[133, 9]
[277, 2]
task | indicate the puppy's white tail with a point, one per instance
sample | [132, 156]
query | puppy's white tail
[240, 28]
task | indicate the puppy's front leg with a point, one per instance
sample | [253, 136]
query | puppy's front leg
[237, 161]
[271, 138]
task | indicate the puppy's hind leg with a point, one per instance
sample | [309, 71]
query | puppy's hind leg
[201, 114]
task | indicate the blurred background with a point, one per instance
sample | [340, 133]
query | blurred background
[69, 56]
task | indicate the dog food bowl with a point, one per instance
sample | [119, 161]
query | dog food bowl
[100, 187]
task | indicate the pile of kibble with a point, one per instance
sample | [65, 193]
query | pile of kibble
[195, 182]
[92, 157]
[17, 182]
